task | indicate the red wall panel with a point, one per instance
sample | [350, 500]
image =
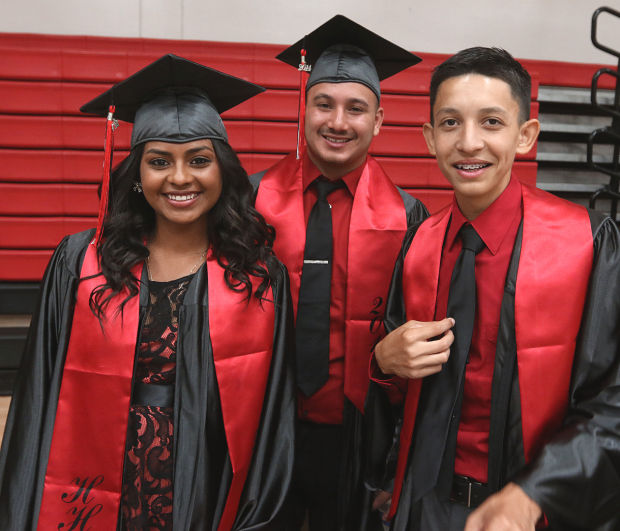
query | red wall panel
[52, 156]
[53, 165]
[39, 232]
[23, 266]
[73, 132]
[48, 199]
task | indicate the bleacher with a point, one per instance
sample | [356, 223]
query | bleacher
[52, 156]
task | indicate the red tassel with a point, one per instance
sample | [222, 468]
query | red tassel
[107, 164]
[301, 114]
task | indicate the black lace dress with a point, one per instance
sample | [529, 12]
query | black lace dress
[147, 479]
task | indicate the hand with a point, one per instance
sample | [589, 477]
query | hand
[411, 351]
[510, 510]
[382, 501]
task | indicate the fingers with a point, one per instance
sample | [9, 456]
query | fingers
[430, 329]
[422, 358]
[424, 365]
[382, 501]
[428, 361]
[472, 525]
[415, 349]
[420, 343]
[509, 509]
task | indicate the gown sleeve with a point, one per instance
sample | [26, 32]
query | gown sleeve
[384, 412]
[27, 437]
[395, 316]
[576, 477]
[271, 470]
[416, 214]
[395, 304]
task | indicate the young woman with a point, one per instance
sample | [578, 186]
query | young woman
[155, 391]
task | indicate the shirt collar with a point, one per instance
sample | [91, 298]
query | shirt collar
[311, 172]
[492, 224]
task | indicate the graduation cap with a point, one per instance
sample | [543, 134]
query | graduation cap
[342, 51]
[174, 100]
[171, 100]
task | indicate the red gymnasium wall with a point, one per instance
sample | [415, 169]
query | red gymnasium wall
[51, 156]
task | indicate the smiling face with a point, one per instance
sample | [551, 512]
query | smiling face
[181, 182]
[475, 135]
[341, 121]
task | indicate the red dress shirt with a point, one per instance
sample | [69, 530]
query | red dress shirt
[326, 405]
[497, 226]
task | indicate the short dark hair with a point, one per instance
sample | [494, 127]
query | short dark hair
[490, 62]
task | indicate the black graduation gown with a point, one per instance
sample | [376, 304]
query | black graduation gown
[359, 468]
[355, 501]
[576, 476]
[202, 469]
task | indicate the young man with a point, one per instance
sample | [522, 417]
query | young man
[518, 411]
[340, 258]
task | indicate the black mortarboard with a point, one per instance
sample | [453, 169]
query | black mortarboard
[174, 100]
[343, 51]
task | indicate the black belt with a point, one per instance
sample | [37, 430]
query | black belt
[468, 492]
[156, 395]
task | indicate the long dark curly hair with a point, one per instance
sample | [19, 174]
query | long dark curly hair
[240, 238]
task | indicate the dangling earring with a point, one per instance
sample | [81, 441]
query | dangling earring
[137, 187]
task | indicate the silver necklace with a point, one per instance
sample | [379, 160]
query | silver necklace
[193, 270]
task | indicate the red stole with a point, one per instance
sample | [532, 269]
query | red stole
[377, 228]
[242, 340]
[84, 473]
[552, 282]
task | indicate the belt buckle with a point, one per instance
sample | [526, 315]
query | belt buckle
[465, 491]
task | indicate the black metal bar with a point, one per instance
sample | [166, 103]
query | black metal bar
[615, 124]
[606, 109]
[610, 133]
[593, 30]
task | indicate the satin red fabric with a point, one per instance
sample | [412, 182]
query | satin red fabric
[554, 271]
[552, 280]
[377, 228]
[84, 473]
[242, 339]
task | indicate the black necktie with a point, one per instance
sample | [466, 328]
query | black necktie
[440, 403]
[312, 326]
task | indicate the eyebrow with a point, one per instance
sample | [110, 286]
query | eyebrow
[191, 151]
[350, 101]
[447, 110]
[200, 148]
[358, 101]
[321, 95]
[493, 110]
[485, 110]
